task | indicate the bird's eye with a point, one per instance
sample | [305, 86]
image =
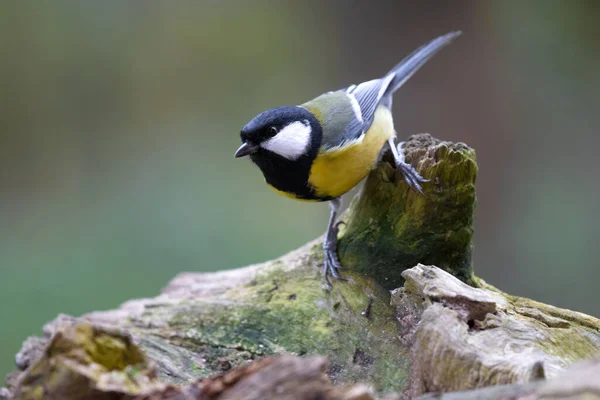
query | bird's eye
[272, 130]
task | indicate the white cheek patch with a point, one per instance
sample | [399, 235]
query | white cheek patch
[291, 142]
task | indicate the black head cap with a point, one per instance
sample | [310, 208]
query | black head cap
[267, 124]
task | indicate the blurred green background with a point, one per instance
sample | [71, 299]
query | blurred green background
[119, 121]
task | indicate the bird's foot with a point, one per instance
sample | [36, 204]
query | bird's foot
[411, 176]
[331, 262]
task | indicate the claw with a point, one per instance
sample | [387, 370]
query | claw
[413, 172]
[411, 176]
[419, 178]
[331, 264]
[408, 175]
[415, 185]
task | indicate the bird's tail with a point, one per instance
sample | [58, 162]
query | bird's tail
[411, 64]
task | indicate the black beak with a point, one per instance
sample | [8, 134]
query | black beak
[246, 149]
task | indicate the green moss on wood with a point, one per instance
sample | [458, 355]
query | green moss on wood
[285, 310]
[392, 227]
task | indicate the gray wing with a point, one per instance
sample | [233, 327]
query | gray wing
[345, 116]
[367, 96]
[365, 99]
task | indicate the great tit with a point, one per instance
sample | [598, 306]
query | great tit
[321, 149]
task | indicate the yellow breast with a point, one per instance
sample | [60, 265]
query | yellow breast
[290, 195]
[336, 171]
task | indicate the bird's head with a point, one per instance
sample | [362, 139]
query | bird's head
[288, 132]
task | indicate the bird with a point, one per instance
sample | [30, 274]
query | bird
[319, 150]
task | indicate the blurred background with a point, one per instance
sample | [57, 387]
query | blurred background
[118, 123]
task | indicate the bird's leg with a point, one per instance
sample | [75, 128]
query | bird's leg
[331, 262]
[411, 176]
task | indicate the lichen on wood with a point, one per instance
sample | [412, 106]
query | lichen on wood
[84, 362]
[485, 336]
[432, 333]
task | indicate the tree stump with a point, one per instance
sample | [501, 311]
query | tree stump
[439, 329]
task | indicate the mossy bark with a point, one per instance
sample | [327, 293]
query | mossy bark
[435, 333]
[391, 227]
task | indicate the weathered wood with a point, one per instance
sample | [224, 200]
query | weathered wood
[83, 362]
[472, 337]
[452, 336]
[581, 381]
[434, 334]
